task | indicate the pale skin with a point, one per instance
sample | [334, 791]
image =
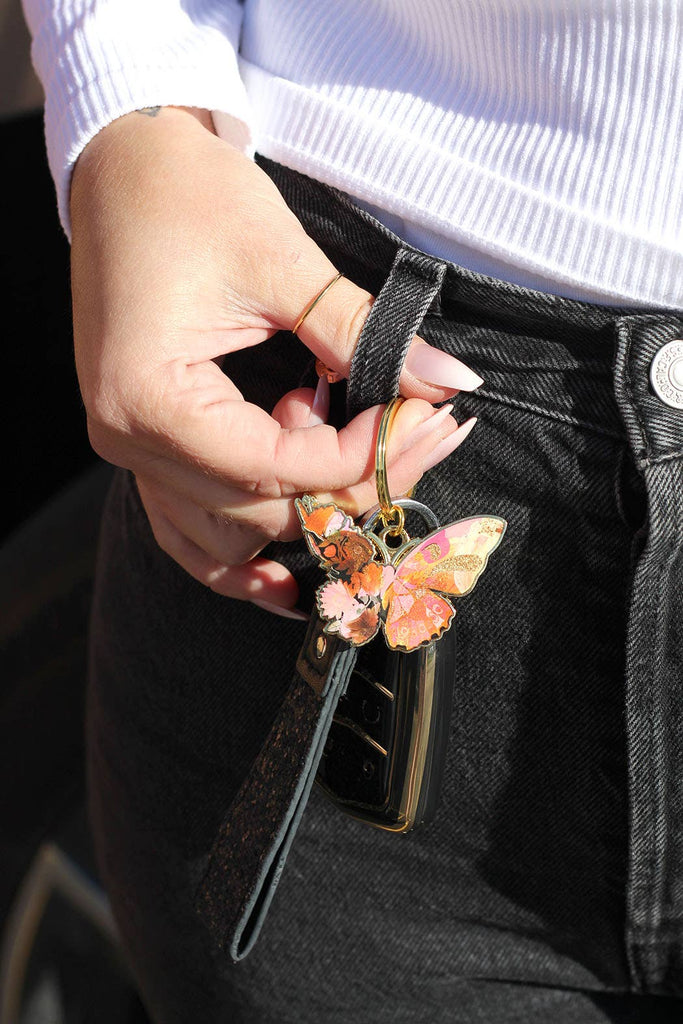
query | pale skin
[183, 250]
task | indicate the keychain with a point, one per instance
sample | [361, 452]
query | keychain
[390, 594]
[382, 579]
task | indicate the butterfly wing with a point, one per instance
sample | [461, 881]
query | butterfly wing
[414, 616]
[448, 561]
[452, 559]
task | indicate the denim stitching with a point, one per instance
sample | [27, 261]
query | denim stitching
[518, 403]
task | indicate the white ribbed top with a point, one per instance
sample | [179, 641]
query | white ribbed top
[536, 140]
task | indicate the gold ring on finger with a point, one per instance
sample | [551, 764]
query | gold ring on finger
[314, 302]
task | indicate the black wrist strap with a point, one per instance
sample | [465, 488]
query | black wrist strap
[251, 847]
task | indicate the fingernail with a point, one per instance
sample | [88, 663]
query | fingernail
[277, 609]
[449, 444]
[320, 409]
[425, 428]
[433, 366]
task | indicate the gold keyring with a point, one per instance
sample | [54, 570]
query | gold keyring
[389, 511]
[314, 302]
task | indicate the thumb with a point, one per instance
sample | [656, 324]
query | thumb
[333, 326]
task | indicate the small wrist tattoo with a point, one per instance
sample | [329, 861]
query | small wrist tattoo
[148, 111]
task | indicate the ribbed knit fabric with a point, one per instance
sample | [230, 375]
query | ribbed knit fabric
[99, 59]
[536, 140]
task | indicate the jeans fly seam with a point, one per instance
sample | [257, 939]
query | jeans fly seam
[628, 380]
[651, 909]
[640, 964]
[654, 916]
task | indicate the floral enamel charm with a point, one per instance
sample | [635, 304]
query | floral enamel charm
[387, 581]
[403, 591]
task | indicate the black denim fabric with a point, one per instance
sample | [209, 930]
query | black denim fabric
[550, 885]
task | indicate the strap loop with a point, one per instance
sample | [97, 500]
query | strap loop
[396, 316]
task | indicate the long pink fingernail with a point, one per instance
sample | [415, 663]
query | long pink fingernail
[425, 428]
[320, 409]
[277, 609]
[449, 444]
[433, 366]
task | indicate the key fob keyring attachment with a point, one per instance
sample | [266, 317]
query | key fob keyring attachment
[390, 593]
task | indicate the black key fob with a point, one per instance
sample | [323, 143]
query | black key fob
[385, 752]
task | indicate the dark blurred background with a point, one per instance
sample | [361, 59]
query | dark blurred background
[59, 962]
[42, 418]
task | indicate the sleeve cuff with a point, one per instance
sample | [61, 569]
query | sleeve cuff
[102, 101]
[123, 55]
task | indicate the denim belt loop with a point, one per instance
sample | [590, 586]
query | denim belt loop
[654, 663]
[396, 315]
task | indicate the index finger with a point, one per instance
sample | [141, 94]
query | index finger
[239, 444]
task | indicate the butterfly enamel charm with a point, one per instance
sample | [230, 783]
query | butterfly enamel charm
[404, 590]
[385, 753]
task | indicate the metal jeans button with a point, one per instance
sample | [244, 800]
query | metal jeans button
[666, 373]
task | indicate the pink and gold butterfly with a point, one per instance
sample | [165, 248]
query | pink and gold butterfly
[401, 592]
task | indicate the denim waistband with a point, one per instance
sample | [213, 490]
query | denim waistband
[551, 355]
[588, 365]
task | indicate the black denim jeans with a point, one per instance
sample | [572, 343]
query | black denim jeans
[550, 885]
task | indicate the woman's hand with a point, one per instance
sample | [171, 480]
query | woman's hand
[184, 250]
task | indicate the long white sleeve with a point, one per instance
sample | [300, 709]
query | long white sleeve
[540, 141]
[99, 59]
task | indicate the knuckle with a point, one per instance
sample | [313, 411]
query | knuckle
[107, 425]
[102, 400]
